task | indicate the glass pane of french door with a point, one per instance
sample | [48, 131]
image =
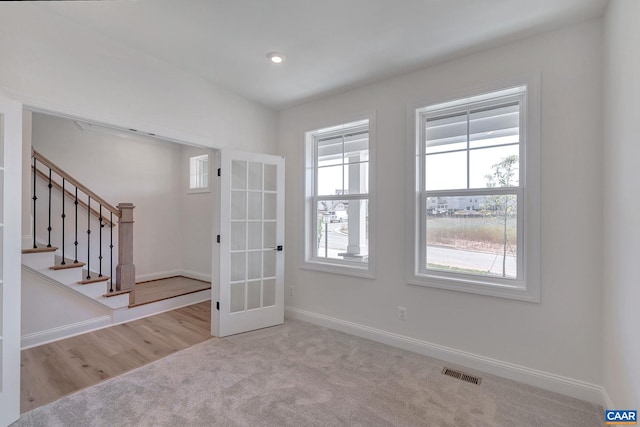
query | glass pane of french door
[253, 235]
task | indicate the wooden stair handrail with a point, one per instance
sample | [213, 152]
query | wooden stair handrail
[58, 186]
[58, 170]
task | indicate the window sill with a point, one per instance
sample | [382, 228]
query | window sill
[198, 190]
[363, 271]
[520, 293]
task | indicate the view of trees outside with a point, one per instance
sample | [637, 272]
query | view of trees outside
[478, 237]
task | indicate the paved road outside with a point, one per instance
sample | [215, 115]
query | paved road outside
[482, 261]
[468, 260]
[337, 240]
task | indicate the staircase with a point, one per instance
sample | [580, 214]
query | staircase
[73, 235]
[46, 262]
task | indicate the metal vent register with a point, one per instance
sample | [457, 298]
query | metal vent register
[461, 376]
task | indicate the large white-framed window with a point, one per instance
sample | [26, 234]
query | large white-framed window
[199, 174]
[339, 168]
[476, 196]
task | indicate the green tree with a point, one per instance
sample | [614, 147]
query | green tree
[503, 175]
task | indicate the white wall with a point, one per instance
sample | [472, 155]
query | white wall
[146, 173]
[55, 64]
[197, 218]
[621, 293]
[560, 335]
[67, 312]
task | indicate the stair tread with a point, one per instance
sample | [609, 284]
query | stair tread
[67, 266]
[39, 250]
[94, 279]
[116, 293]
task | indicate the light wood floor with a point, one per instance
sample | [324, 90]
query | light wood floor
[54, 370]
[158, 290]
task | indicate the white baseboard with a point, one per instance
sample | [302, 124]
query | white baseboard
[119, 316]
[196, 275]
[545, 380]
[66, 331]
[608, 404]
[134, 313]
[156, 276]
[171, 273]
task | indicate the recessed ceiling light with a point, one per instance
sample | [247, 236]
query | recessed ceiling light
[275, 57]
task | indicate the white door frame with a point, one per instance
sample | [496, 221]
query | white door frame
[10, 277]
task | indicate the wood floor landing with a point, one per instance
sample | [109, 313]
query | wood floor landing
[161, 289]
[51, 371]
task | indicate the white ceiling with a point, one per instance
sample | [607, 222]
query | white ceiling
[330, 45]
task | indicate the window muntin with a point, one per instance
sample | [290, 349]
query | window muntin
[338, 161]
[461, 148]
[471, 190]
[339, 158]
[199, 173]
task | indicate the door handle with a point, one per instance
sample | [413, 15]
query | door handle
[277, 248]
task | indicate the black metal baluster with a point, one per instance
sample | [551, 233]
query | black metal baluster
[34, 204]
[111, 254]
[88, 237]
[75, 242]
[49, 227]
[100, 240]
[63, 217]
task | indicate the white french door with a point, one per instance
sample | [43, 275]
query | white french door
[10, 232]
[251, 281]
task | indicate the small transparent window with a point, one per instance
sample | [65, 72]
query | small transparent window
[199, 173]
[338, 181]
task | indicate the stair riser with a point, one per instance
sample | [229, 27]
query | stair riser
[70, 277]
[119, 301]
[94, 290]
[38, 261]
[67, 276]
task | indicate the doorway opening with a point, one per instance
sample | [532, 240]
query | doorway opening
[172, 230]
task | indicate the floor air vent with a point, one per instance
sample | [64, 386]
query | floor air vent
[461, 376]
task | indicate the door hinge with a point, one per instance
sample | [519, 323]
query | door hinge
[219, 171]
[218, 239]
[218, 305]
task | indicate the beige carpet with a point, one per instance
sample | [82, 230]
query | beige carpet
[299, 374]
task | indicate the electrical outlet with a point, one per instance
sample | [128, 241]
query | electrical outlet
[291, 290]
[402, 313]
